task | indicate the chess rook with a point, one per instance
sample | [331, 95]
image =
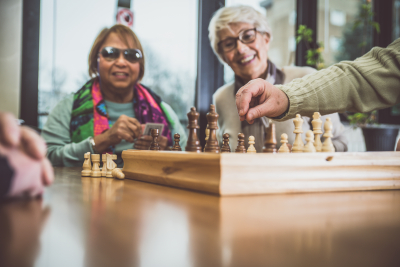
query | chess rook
[225, 145]
[298, 144]
[240, 147]
[154, 145]
[176, 146]
[284, 147]
[212, 142]
[270, 140]
[317, 130]
[327, 146]
[193, 142]
[96, 166]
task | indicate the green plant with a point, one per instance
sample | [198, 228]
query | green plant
[362, 119]
[314, 51]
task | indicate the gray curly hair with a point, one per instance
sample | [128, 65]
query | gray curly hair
[234, 14]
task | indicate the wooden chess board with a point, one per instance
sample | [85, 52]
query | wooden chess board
[245, 174]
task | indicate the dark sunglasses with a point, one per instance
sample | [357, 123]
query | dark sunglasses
[112, 53]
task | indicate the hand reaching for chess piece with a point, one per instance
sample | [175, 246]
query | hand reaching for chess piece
[143, 142]
[24, 168]
[125, 128]
[259, 98]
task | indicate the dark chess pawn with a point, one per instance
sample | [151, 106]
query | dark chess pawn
[225, 146]
[240, 148]
[176, 146]
[212, 142]
[154, 145]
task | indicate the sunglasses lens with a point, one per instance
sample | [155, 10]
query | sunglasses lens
[133, 55]
[110, 53]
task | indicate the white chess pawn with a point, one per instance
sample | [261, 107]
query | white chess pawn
[317, 130]
[96, 166]
[309, 147]
[251, 148]
[87, 165]
[117, 173]
[284, 147]
[298, 144]
[327, 146]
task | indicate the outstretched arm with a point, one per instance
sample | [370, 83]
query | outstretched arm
[368, 83]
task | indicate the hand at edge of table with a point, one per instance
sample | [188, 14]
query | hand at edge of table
[25, 151]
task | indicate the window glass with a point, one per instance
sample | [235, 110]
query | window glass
[168, 34]
[335, 21]
[281, 15]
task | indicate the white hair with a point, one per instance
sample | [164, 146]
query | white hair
[234, 14]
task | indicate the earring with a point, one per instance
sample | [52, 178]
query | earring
[98, 59]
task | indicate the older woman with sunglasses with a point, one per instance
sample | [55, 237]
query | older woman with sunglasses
[108, 112]
[240, 37]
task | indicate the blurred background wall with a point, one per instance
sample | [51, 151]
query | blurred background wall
[10, 55]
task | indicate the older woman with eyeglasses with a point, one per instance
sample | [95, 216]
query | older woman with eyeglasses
[240, 37]
[108, 113]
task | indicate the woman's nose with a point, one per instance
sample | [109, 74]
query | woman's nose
[241, 47]
[121, 60]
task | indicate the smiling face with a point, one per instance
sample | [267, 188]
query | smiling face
[117, 76]
[248, 61]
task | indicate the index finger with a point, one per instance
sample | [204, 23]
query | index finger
[245, 95]
[136, 123]
[10, 133]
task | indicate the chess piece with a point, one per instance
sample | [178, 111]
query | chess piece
[240, 147]
[176, 146]
[117, 173]
[87, 165]
[270, 140]
[298, 144]
[104, 160]
[96, 166]
[327, 146]
[317, 130]
[284, 147]
[193, 142]
[154, 145]
[212, 142]
[309, 147]
[111, 165]
[225, 145]
[207, 136]
[104, 169]
[251, 148]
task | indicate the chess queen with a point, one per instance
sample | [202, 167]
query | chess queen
[107, 113]
[241, 38]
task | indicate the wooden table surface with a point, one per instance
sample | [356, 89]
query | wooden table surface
[107, 222]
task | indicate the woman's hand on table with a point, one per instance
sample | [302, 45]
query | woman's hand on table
[144, 142]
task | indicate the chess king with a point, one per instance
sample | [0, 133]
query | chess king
[240, 37]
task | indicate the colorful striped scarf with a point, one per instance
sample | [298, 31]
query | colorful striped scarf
[89, 113]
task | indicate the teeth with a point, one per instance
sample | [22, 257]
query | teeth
[247, 59]
[120, 73]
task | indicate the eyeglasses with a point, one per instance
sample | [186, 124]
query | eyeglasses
[112, 53]
[246, 37]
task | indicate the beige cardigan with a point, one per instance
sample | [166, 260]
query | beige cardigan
[228, 122]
